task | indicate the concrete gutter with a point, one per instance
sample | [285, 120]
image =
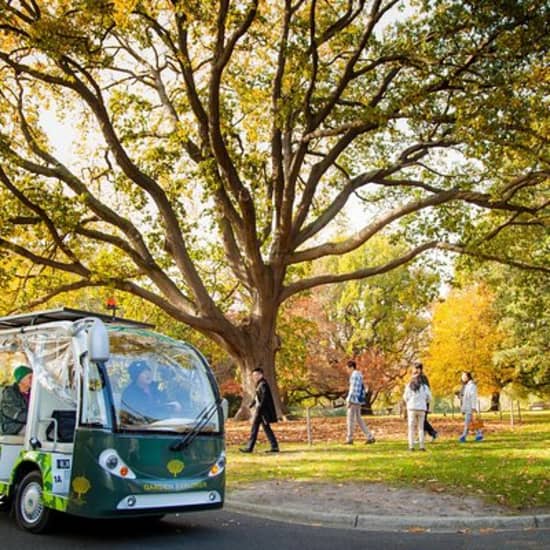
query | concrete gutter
[390, 523]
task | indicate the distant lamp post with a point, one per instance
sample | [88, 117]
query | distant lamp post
[111, 305]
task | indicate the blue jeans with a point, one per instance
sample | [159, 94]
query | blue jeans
[467, 421]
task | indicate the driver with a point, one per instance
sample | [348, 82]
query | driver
[142, 396]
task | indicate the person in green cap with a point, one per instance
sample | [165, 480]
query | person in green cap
[15, 401]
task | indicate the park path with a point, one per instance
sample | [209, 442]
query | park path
[362, 499]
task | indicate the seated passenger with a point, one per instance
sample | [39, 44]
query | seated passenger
[15, 401]
[142, 398]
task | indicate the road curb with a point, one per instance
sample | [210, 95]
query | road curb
[293, 515]
[543, 521]
[390, 523]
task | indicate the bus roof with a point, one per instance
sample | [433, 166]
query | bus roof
[63, 314]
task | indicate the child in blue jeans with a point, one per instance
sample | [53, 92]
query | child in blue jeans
[469, 405]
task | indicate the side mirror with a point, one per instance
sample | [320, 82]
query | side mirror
[98, 341]
[225, 408]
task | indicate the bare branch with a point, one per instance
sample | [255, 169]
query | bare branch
[150, 268]
[228, 171]
[375, 14]
[490, 257]
[527, 180]
[58, 240]
[341, 23]
[75, 268]
[62, 289]
[276, 106]
[313, 282]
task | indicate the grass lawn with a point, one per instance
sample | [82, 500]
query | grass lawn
[510, 467]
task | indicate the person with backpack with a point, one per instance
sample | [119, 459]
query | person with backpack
[417, 396]
[355, 398]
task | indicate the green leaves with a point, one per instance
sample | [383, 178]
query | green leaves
[216, 145]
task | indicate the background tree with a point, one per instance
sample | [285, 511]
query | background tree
[521, 298]
[205, 180]
[311, 360]
[521, 305]
[466, 337]
[382, 321]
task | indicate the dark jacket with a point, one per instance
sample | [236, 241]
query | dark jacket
[424, 380]
[13, 410]
[265, 406]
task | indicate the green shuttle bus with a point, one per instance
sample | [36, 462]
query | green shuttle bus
[122, 421]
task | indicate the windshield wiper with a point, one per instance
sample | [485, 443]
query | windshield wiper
[203, 419]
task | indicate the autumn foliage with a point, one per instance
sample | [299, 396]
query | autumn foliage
[465, 337]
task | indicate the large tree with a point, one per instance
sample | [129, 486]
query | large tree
[212, 145]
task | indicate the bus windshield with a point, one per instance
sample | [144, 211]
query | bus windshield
[158, 384]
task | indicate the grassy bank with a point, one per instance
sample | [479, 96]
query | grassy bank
[511, 467]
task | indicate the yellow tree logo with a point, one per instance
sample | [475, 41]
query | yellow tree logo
[81, 486]
[175, 467]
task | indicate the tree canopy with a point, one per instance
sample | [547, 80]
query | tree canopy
[210, 147]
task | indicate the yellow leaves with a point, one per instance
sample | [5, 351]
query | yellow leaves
[122, 11]
[7, 41]
[465, 336]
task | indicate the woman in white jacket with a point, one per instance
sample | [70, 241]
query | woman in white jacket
[469, 405]
[417, 396]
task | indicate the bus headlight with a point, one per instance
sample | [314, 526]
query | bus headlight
[218, 467]
[111, 462]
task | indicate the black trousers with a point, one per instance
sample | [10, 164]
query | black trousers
[428, 428]
[256, 423]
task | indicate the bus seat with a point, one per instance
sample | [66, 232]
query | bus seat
[66, 424]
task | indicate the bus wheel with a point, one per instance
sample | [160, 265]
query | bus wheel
[30, 512]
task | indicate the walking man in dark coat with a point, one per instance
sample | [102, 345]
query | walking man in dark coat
[264, 413]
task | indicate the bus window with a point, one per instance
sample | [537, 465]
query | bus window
[158, 383]
[54, 366]
[94, 409]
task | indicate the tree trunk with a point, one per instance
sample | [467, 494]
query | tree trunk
[495, 401]
[259, 351]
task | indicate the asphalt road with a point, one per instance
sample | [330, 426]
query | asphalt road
[227, 531]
